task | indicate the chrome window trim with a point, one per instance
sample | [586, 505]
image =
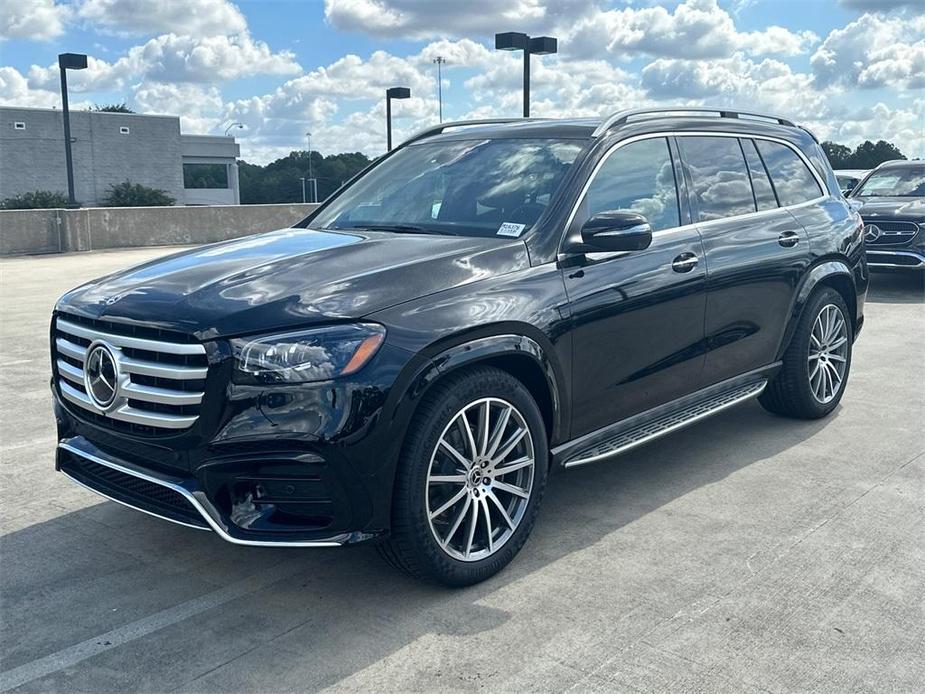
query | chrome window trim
[695, 225]
[190, 497]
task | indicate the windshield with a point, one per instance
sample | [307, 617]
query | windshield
[468, 188]
[905, 182]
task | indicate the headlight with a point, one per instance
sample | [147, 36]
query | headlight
[309, 355]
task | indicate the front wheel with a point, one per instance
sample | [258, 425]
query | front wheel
[812, 380]
[470, 481]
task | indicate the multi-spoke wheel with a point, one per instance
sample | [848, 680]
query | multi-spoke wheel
[828, 350]
[470, 480]
[815, 366]
[480, 479]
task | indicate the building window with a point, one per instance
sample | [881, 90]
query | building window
[205, 176]
[124, 130]
[19, 125]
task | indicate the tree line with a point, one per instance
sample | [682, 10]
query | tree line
[280, 181]
[866, 155]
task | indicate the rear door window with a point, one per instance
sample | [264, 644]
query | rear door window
[792, 180]
[764, 193]
[720, 178]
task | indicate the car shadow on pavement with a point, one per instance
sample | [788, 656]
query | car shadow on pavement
[896, 288]
[331, 613]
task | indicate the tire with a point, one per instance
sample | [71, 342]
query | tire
[462, 555]
[800, 389]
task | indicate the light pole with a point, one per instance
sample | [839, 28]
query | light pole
[311, 176]
[440, 62]
[69, 61]
[239, 126]
[392, 93]
[540, 45]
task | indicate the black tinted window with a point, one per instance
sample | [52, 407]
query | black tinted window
[764, 193]
[792, 180]
[721, 183]
[638, 177]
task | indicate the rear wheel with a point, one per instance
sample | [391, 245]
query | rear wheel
[470, 481]
[816, 364]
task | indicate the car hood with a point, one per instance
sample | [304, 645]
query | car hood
[904, 208]
[288, 278]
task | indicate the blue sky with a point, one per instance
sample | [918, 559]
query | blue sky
[849, 69]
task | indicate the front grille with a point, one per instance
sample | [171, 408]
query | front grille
[131, 490]
[161, 375]
[893, 233]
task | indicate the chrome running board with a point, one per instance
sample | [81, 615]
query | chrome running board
[626, 439]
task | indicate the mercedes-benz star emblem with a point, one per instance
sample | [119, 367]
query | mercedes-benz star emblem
[871, 233]
[101, 375]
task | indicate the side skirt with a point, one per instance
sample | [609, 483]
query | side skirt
[647, 426]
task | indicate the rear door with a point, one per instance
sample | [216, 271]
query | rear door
[637, 318]
[755, 249]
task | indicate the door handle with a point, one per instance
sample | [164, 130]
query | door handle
[684, 262]
[788, 239]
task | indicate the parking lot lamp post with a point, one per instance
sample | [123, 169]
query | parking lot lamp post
[538, 45]
[392, 93]
[69, 61]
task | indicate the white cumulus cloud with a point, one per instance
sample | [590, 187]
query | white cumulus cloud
[34, 20]
[196, 17]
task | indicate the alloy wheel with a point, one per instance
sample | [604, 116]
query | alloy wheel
[828, 353]
[480, 479]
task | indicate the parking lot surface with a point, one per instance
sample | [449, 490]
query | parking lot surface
[747, 553]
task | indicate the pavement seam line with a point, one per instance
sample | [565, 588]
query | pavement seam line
[72, 655]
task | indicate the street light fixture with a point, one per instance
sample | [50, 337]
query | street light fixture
[239, 126]
[311, 175]
[392, 93]
[69, 61]
[539, 45]
[440, 61]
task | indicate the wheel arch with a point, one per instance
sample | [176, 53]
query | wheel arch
[831, 272]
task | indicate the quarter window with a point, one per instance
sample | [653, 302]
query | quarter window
[793, 182]
[638, 177]
[721, 184]
[764, 193]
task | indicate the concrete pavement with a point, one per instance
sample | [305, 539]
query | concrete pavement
[748, 553]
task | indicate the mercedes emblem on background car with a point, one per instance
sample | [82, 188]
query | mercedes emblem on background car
[871, 233]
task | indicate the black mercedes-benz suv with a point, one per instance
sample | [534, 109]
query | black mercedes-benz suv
[488, 302]
[893, 208]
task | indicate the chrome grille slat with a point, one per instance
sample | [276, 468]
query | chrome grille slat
[126, 341]
[162, 395]
[71, 373]
[126, 413]
[150, 368]
[141, 401]
[69, 349]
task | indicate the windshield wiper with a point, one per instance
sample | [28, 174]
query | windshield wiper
[403, 229]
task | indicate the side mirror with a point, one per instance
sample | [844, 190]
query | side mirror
[615, 231]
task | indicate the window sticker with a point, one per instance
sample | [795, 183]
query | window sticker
[511, 229]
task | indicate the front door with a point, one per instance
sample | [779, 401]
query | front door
[637, 318]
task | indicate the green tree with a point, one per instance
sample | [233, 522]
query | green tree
[112, 108]
[37, 200]
[279, 181]
[128, 194]
[868, 154]
[839, 155]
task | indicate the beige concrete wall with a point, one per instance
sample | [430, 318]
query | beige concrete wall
[95, 228]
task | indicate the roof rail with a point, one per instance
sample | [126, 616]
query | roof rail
[437, 129]
[621, 117]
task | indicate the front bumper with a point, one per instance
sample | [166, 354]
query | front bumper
[176, 499]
